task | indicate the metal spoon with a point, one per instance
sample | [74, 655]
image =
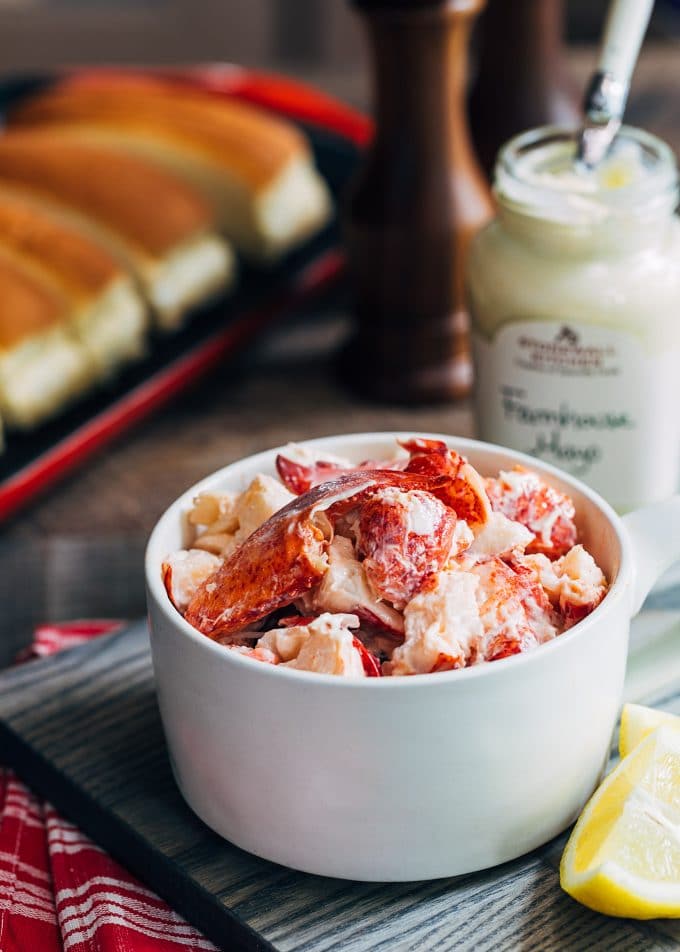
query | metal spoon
[608, 89]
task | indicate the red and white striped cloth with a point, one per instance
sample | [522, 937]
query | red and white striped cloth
[58, 891]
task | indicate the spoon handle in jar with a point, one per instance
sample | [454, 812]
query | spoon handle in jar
[607, 93]
[623, 34]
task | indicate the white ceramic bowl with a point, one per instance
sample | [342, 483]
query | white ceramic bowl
[402, 778]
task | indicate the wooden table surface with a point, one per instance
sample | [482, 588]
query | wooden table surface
[77, 551]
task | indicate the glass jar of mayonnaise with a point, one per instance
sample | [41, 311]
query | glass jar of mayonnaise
[574, 293]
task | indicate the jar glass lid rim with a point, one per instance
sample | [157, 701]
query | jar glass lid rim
[537, 171]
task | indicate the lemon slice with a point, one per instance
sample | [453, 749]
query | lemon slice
[623, 856]
[637, 722]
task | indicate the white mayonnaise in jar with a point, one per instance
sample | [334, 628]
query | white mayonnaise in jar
[574, 293]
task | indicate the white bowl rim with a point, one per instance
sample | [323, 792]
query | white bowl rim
[616, 591]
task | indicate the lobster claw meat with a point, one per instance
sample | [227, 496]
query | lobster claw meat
[465, 490]
[515, 611]
[277, 563]
[574, 583]
[287, 555]
[525, 498]
[404, 537]
[284, 558]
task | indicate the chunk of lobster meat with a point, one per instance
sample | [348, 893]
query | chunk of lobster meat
[344, 588]
[286, 641]
[466, 490]
[284, 558]
[214, 517]
[303, 467]
[574, 583]
[247, 512]
[218, 543]
[515, 612]
[325, 645]
[216, 511]
[442, 626]
[257, 653]
[330, 648]
[184, 572]
[405, 538]
[263, 497]
[524, 497]
[500, 536]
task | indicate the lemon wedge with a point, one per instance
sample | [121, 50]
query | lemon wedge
[637, 722]
[623, 856]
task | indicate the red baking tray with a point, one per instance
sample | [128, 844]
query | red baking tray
[34, 461]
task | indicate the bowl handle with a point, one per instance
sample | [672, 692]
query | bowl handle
[654, 534]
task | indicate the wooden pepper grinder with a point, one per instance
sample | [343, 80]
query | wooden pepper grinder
[418, 199]
[522, 81]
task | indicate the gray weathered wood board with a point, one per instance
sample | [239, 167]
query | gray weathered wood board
[83, 729]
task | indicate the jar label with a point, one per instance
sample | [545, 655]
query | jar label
[588, 399]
